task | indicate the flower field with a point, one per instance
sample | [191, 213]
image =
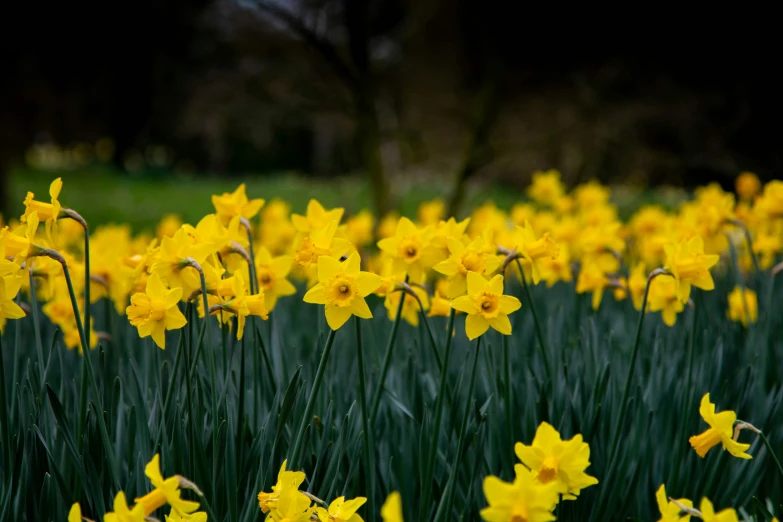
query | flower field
[550, 361]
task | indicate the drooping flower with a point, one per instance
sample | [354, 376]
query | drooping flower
[285, 480]
[486, 306]
[342, 288]
[391, 511]
[743, 306]
[559, 462]
[525, 499]
[671, 512]
[533, 249]
[341, 510]
[592, 279]
[9, 288]
[719, 432]
[230, 204]
[167, 491]
[48, 212]
[19, 242]
[689, 265]
[155, 311]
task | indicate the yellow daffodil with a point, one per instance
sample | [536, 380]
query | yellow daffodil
[198, 516]
[431, 212]
[689, 265]
[743, 306]
[122, 513]
[9, 287]
[708, 513]
[292, 506]
[166, 492]
[554, 269]
[477, 256]
[546, 187]
[388, 225]
[48, 212]
[671, 512]
[341, 510]
[663, 298]
[320, 242]
[524, 499]
[75, 514]
[358, 229]
[770, 203]
[173, 264]
[637, 282]
[276, 231]
[440, 305]
[411, 249]
[271, 273]
[410, 308]
[591, 194]
[720, 431]
[556, 461]
[19, 242]
[486, 306]
[592, 279]
[285, 480]
[316, 217]
[155, 311]
[768, 243]
[747, 185]
[242, 305]
[534, 249]
[342, 288]
[228, 205]
[168, 225]
[391, 511]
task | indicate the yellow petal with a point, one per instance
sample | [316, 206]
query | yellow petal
[496, 285]
[336, 316]
[475, 325]
[368, 283]
[501, 324]
[476, 283]
[327, 267]
[359, 308]
[315, 295]
[352, 264]
[464, 304]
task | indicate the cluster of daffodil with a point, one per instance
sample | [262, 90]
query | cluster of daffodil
[724, 429]
[287, 503]
[166, 491]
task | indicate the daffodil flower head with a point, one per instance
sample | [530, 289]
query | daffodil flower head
[431, 212]
[559, 462]
[534, 249]
[320, 242]
[9, 288]
[708, 513]
[592, 279]
[546, 187]
[486, 306]
[155, 311]
[411, 249]
[19, 243]
[316, 217]
[410, 307]
[75, 514]
[48, 212]
[173, 261]
[285, 480]
[689, 265]
[228, 205]
[671, 512]
[525, 499]
[342, 288]
[747, 185]
[122, 513]
[743, 306]
[477, 256]
[720, 431]
[272, 273]
[557, 268]
[166, 492]
[770, 203]
[341, 510]
[358, 229]
[663, 298]
[292, 506]
[242, 305]
[391, 511]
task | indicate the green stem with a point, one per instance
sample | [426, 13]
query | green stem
[86, 277]
[376, 400]
[462, 435]
[212, 378]
[319, 375]
[252, 268]
[36, 326]
[369, 446]
[91, 376]
[537, 325]
[771, 452]
[4, 416]
[172, 384]
[508, 395]
[428, 471]
[684, 408]
[618, 427]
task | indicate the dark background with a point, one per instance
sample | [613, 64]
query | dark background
[462, 89]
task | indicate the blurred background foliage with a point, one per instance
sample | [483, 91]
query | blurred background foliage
[458, 96]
